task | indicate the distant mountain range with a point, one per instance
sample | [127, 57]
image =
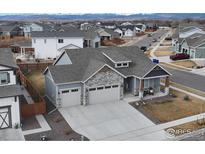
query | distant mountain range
[105, 16]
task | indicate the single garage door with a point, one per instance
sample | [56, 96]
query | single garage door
[5, 117]
[104, 94]
[70, 97]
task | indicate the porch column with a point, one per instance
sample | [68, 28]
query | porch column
[85, 95]
[167, 85]
[135, 87]
[21, 51]
[141, 89]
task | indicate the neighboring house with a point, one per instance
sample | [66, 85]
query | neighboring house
[194, 45]
[50, 44]
[31, 27]
[92, 39]
[141, 27]
[108, 25]
[9, 91]
[100, 75]
[184, 31]
[151, 27]
[85, 26]
[23, 50]
[126, 23]
[9, 31]
[127, 30]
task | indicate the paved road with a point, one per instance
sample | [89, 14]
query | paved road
[187, 79]
[148, 41]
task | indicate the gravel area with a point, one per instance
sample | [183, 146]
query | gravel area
[61, 131]
[30, 123]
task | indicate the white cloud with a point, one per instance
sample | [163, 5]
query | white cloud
[101, 6]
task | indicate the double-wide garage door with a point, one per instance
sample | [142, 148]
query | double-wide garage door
[5, 117]
[70, 97]
[104, 94]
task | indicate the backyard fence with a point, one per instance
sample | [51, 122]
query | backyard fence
[27, 67]
[38, 106]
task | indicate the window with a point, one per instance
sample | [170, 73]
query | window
[92, 89]
[65, 91]
[74, 90]
[119, 64]
[124, 64]
[60, 40]
[45, 41]
[114, 86]
[107, 87]
[4, 78]
[99, 88]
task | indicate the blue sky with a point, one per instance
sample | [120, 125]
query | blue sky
[102, 6]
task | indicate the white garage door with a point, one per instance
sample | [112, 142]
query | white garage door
[5, 121]
[104, 94]
[70, 97]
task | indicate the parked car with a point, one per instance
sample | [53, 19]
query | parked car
[179, 56]
[143, 48]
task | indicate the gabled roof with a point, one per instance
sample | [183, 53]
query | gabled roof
[72, 32]
[90, 34]
[86, 61]
[116, 57]
[195, 39]
[7, 28]
[6, 58]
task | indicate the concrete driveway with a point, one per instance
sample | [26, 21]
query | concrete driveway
[11, 134]
[105, 121]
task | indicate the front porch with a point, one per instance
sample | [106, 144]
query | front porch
[143, 89]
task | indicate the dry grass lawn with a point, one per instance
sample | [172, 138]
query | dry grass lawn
[161, 53]
[37, 80]
[188, 127]
[186, 63]
[174, 108]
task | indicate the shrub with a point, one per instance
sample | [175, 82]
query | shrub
[186, 98]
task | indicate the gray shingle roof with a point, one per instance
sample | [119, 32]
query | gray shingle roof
[6, 58]
[12, 90]
[88, 60]
[68, 33]
[90, 34]
[116, 56]
[195, 39]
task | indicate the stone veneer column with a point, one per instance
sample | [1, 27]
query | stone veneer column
[167, 85]
[141, 88]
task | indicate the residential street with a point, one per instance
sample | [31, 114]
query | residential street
[187, 79]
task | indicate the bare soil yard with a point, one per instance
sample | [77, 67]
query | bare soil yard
[176, 106]
[186, 63]
[163, 51]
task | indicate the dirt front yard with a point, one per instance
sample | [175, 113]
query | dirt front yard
[163, 51]
[177, 105]
[185, 63]
[37, 80]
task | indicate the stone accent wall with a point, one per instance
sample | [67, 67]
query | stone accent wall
[105, 76]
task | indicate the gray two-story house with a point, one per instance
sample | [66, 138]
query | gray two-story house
[9, 91]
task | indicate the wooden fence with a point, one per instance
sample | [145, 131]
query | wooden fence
[39, 105]
[27, 67]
